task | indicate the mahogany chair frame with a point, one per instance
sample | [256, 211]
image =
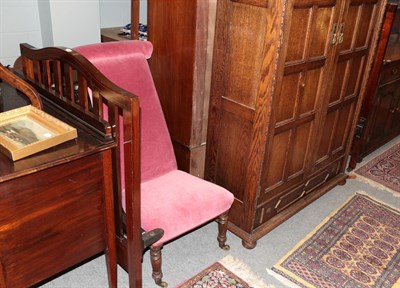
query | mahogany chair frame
[64, 78]
[16, 82]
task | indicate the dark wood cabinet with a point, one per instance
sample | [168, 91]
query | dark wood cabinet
[380, 114]
[109, 34]
[182, 35]
[385, 123]
[286, 87]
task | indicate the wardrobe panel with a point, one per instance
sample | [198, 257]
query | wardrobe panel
[357, 21]
[354, 78]
[341, 132]
[336, 94]
[275, 166]
[325, 142]
[286, 100]
[308, 91]
[298, 34]
[347, 29]
[320, 31]
[298, 96]
[232, 154]
[367, 11]
[242, 79]
[300, 145]
[285, 161]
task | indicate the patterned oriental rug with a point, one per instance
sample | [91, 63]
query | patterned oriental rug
[229, 272]
[358, 246]
[383, 171]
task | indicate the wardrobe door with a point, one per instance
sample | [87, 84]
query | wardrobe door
[304, 63]
[355, 31]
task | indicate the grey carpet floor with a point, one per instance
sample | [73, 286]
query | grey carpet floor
[190, 254]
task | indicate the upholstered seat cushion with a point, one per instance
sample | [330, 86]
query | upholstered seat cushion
[172, 201]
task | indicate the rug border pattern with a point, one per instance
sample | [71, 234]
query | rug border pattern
[360, 172]
[234, 267]
[283, 272]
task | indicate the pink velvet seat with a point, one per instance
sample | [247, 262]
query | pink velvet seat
[171, 199]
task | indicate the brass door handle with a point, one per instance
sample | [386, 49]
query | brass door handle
[334, 34]
[341, 34]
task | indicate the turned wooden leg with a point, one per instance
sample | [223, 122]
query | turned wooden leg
[155, 257]
[222, 229]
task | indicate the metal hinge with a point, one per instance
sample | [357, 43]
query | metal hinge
[360, 127]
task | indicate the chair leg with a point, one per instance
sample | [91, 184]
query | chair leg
[155, 258]
[222, 229]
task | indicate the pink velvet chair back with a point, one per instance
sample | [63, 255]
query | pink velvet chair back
[126, 65]
[172, 200]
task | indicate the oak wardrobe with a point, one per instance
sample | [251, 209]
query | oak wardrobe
[286, 86]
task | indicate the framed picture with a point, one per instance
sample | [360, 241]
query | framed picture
[28, 130]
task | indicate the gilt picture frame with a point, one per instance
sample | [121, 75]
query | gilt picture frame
[28, 130]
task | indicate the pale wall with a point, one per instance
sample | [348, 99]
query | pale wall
[19, 22]
[58, 22]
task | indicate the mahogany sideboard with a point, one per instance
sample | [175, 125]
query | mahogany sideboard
[380, 114]
[56, 206]
[112, 34]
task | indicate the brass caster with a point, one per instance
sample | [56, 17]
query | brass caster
[225, 247]
[162, 284]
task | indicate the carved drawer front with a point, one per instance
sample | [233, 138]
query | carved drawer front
[390, 73]
[321, 177]
[276, 205]
[266, 211]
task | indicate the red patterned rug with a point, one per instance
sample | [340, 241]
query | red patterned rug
[226, 273]
[383, 170]
[356, 246]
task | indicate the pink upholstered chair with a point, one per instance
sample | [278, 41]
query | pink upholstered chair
[172, 200]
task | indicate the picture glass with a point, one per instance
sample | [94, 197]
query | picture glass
[23, 131]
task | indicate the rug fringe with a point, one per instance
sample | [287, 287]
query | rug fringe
[363, 193]
[373, 183]
[244, 272]
[282, 279]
